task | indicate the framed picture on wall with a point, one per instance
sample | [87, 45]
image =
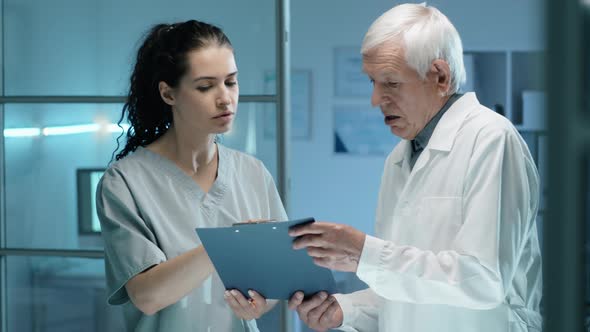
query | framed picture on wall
[301, 99]
[359, 130]
[349, 79]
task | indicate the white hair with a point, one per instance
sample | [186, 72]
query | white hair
[427, 35]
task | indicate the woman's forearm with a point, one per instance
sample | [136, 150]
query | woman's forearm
[168, 282]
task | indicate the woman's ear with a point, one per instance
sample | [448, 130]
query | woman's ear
[442, 73]
[167, 93]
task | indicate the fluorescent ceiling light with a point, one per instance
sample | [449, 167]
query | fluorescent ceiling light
[68, 130]
[22, 132]
[65, 130]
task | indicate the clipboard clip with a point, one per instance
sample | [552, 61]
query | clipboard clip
[253, 222]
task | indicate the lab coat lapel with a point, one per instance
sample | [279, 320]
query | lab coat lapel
[447, 128]
[401, 159]
[442, 138]
[421, 162]
[410, 186]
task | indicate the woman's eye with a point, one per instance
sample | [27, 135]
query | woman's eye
[231, 83]
[203, 88]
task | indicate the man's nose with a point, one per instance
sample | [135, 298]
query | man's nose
[377, 97]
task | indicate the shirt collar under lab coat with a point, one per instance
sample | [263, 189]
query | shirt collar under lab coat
[421, 140]
[445, 132]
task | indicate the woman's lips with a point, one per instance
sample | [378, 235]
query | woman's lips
[223, 115]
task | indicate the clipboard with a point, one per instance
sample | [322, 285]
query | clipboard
[259, 256]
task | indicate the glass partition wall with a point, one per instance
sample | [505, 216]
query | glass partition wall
[65, 69]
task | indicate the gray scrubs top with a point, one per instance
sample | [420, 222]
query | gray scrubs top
[149, 209]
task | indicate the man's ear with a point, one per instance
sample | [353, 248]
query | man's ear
[166, 93]
[442, 74]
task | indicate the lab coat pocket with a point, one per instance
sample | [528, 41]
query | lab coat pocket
[439, 221]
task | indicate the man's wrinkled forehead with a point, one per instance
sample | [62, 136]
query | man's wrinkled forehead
[384, 60]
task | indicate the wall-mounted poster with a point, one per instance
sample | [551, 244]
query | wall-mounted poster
[360, 130]
[349, 79]
[300, 105]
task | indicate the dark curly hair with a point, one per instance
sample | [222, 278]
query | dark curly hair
[161, 57]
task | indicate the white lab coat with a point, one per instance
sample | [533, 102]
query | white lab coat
[455, 246]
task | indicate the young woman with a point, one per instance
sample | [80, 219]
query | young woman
[171, 177]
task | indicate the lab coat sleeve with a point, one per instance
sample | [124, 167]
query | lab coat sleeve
[250, 325]
[500, 198]
[360, 311]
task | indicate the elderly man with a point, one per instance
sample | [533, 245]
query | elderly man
[455, 246]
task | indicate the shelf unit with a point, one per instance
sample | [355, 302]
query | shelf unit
[500, 78]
